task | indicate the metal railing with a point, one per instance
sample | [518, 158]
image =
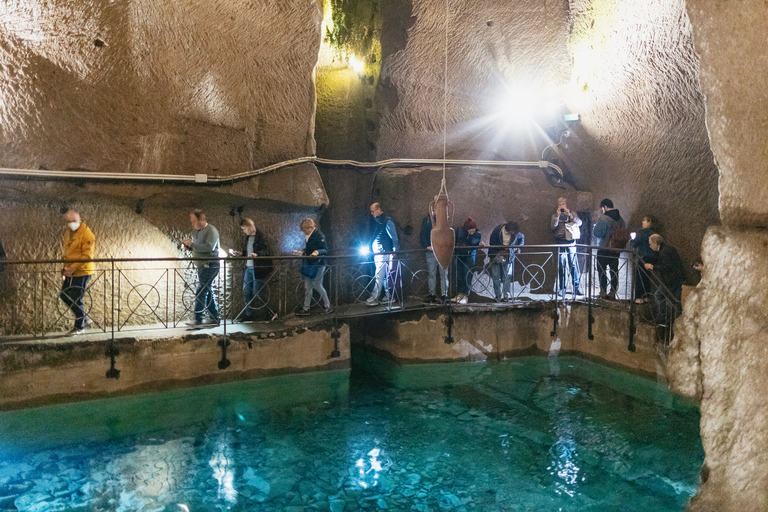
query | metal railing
[125, 295]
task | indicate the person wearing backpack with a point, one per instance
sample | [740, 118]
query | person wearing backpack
[612, 235]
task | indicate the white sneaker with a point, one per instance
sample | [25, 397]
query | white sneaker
[372, 301]
[464, 299]
[74, 331]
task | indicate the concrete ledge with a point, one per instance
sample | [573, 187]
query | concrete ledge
[45, 372]
[480, 334]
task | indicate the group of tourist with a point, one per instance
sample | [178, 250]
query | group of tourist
[610, 232]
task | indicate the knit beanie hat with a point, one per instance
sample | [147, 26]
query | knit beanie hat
[470, 223]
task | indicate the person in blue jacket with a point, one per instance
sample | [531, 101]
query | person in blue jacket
[640, 243]
[502, 256]
[313, 269]
[467, 236]
[383, 238]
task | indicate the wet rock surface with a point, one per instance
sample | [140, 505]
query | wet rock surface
[525, 435]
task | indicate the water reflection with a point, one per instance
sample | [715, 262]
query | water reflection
[512, 436]
[223, 470]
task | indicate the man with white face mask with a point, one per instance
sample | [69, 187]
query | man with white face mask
[79, 244]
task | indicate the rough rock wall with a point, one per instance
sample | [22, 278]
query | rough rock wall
[720, 353]
[719, 357]
[203, 86]
[628, 68]
[642, 139]
[730, 38]
[492, 47]
[131, 221]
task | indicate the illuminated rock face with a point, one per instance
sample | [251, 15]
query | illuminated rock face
[721, 351]
[496, 53]
[628, 68]
[203, 86]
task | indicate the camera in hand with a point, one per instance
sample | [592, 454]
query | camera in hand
[562, 210]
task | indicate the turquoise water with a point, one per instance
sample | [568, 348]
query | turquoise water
[529, 434]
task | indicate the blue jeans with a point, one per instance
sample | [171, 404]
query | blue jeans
[501, 278]
[315, 283]
[567, 258]
[204, 297]
[252, 290]
[72, 292]
[382, 263]
[432, 268]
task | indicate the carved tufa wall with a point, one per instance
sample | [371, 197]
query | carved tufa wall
[719, 356]
[198, 86]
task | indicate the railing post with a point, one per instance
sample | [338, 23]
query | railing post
[590, 317]
[112, 351]
[555, 312]
[224, 309]
[112, 306]
[632, 264]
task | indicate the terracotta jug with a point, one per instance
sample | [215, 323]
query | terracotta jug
[443, 237]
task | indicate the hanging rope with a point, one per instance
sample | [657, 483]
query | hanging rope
[445, 97]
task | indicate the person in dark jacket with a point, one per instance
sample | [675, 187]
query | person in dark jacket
[671, 272]
[643, 250]
[607, 259]
[313, 269]
[502, 256]
[256, 271]
[425, 238]
[383, 238]
[469, 236]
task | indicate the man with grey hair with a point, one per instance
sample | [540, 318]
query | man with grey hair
[671, 272]
[204, 244]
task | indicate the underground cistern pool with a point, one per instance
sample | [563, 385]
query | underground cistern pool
[525, 434]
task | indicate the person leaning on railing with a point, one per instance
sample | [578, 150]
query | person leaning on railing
[671, 272]
[503, 258]
[312, 269]
[79, 244]
[467, 235]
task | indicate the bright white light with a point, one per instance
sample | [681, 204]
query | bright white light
[357, 64]
[374, 453]
[519, 106]
[364, 250]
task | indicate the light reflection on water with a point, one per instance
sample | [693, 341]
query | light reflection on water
[527, 434]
